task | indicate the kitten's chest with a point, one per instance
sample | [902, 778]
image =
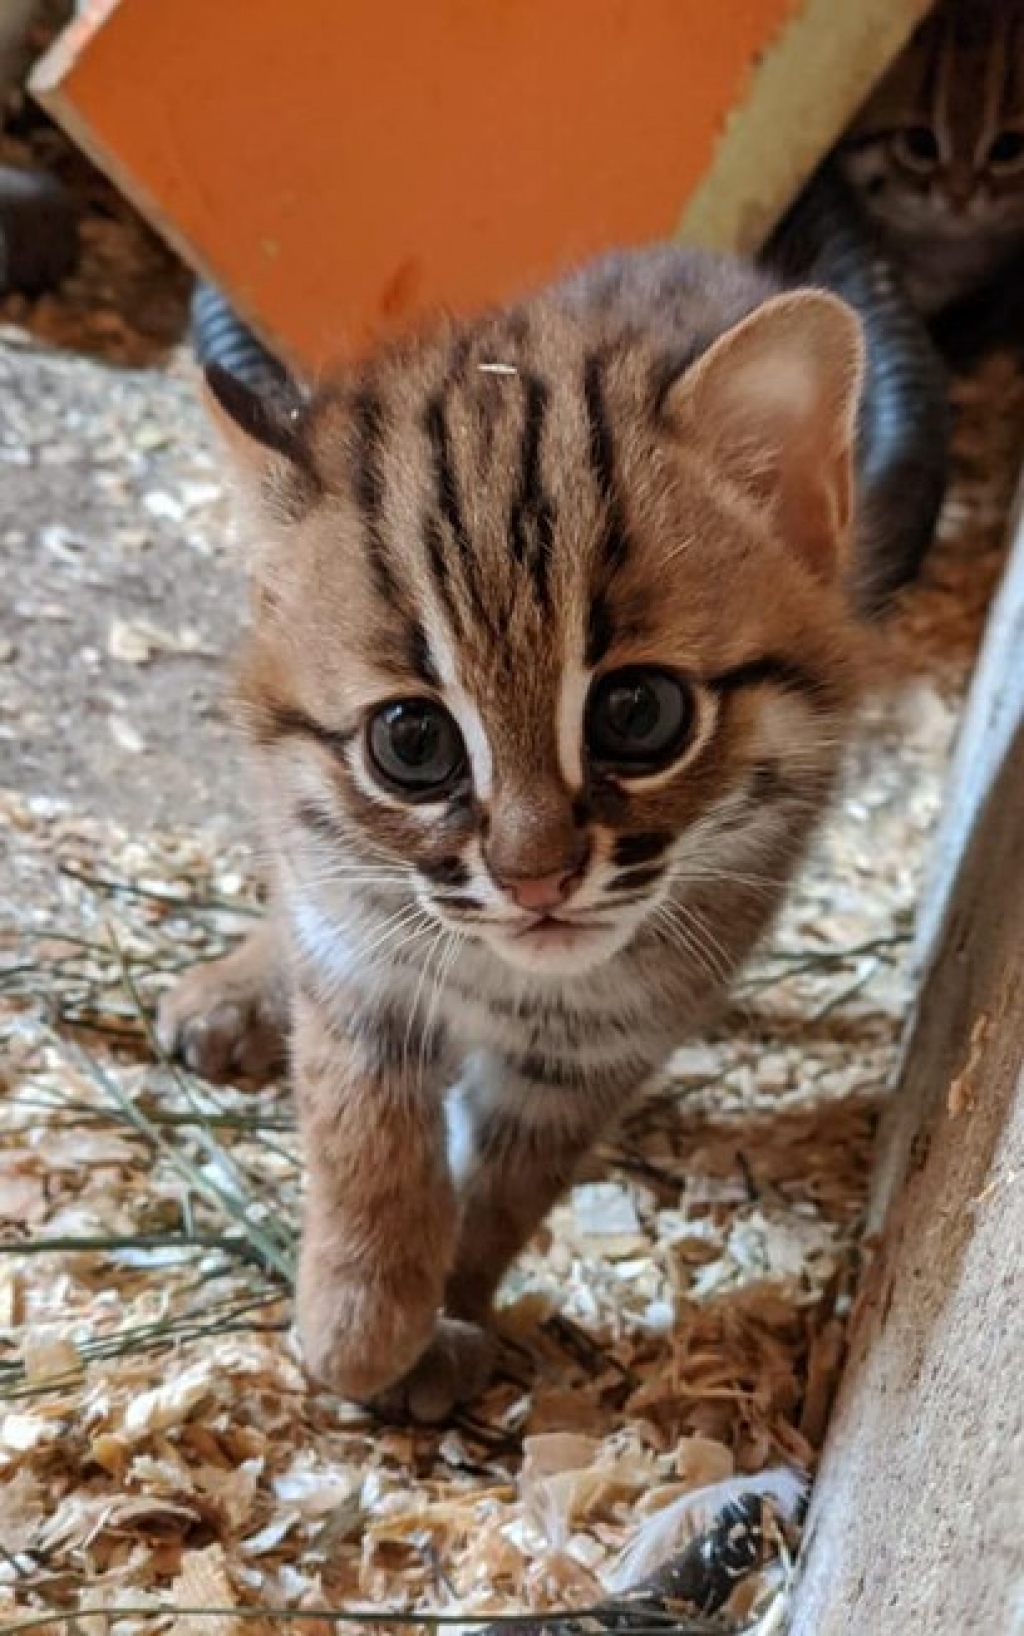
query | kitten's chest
[622, 1008]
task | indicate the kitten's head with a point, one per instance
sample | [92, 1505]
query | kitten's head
[549, 623]
[939, 145]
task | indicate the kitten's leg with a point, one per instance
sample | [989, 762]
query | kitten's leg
[516, 1146]
[380, 1214]
[228, 1019]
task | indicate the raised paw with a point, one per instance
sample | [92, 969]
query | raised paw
[227, 1020]
[456, 1367]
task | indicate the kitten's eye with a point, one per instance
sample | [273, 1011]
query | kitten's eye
[1006, 151]
[917, 147]
[415, 746]
[638, 719]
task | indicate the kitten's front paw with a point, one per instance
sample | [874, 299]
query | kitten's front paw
[456, 1367]
[227, 1020]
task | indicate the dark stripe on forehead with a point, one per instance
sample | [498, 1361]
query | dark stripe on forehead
[445, 480]
[600, 629]
[615, 544]
[439, 571]
[531, 518]
[418, 655]
[449, 505]
[369, 491]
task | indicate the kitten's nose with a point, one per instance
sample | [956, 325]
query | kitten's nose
[539, 893]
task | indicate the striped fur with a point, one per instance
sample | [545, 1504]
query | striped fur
[648, 465]
[937, 152]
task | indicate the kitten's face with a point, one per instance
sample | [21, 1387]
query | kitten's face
[530, 664]
[939, 147]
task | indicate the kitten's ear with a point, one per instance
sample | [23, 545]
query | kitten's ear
[776, 398]
[263, 432]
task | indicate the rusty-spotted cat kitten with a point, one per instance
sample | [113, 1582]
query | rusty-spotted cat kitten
[937, 152]
[547, 680]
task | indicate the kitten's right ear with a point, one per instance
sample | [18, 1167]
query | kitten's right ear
[264, 434]
[250, 423]
[257, 426]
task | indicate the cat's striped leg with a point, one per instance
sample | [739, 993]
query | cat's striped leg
[518, 1130]
[380, 1212]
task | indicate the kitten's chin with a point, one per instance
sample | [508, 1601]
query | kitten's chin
[552, 950]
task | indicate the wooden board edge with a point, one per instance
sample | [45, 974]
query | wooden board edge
[802, 94]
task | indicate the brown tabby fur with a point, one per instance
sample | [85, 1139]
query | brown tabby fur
[648, 464]
[937, 152]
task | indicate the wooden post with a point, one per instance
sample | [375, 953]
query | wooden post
[917, 1524]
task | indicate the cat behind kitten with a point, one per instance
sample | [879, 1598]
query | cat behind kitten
[550, 663]
[936, 154]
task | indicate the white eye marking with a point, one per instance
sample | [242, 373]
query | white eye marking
[463, 710]
[572, 699]
[477, 747]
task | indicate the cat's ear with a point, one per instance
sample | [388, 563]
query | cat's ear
[264, 434]
[776, 400]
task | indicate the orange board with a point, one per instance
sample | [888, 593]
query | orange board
[340, 164]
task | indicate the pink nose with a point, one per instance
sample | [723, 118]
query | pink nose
[539, 893]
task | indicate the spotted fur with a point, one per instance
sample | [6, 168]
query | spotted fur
[648, 465]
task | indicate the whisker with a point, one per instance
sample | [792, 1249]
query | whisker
[436, 945]
[683, 931]
[448, 954]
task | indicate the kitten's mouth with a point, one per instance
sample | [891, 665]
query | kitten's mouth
[555, 928]
[560, 945]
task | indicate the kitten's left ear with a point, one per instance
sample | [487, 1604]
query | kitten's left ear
[776, 400]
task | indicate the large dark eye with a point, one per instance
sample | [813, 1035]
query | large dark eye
[416, 747]
[639, 719]
[917, 147]
[1006, 150]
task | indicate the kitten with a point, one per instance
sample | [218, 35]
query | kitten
[547, 680]
[937, 152]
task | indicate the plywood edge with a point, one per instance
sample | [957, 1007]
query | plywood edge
[68, 46]
[915, 1519]
[803, 93]
[45, 85]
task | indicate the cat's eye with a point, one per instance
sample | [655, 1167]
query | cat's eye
[415, 747]
[917, 147]
[1006, 151]
[639, 720]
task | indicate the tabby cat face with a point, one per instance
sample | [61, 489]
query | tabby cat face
[548, 622]
[939, 146]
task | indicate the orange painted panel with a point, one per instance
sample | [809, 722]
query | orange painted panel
[339, 164]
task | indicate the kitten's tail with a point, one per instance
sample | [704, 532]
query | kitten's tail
[903, 434]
